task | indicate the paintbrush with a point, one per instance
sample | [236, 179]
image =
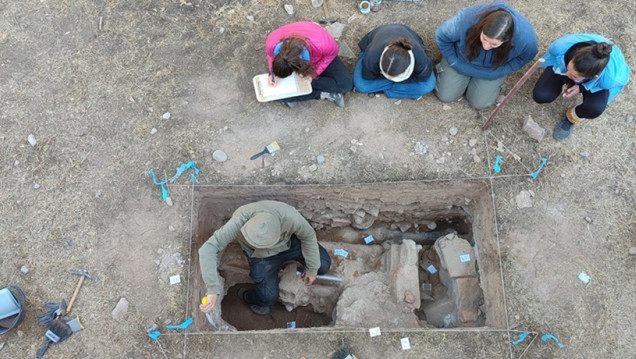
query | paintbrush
[271, 148]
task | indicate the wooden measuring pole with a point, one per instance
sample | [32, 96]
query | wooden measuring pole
[514, 89]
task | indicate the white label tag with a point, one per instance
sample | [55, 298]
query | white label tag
[175, 279]
[406, 344]
[374, 332]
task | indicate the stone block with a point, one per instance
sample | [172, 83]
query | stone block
[533, 129]
[401, 264]
[466, 294]
[405, 284]
[399, 255]
[440, 313]
[449, 249]
[340, 222]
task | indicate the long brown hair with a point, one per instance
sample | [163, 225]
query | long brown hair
[396, 58]
[590, 60]
[498, 25]
[289, 58]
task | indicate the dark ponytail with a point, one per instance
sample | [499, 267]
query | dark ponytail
[498, 25]
[396, 58]
[591, 60]
[289, 59]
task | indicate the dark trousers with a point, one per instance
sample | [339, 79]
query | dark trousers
[264, 272]
[549, 87]
[336, 78]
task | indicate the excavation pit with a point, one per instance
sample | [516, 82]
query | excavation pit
[433, 262]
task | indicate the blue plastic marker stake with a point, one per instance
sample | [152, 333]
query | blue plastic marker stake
[184, 167]
[341, 252]
[180, 170]
[180, 326]
[164, 191]
[497, 166]
[153, 333]
[521, 338]
[543, 162]
[550, 336]
[368, 239]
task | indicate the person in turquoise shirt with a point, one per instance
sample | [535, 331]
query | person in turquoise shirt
[586, 64]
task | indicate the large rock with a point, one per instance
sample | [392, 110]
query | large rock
[466, 294]
[368, 303]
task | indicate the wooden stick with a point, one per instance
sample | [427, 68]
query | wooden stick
[75, 293]
[514, 89]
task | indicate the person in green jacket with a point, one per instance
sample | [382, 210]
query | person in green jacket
[270, 233]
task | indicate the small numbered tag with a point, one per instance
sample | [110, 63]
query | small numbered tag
[431, 269]
[368, 239]
[406, 343]
[341, 252]
[464, 258]
[374, 332]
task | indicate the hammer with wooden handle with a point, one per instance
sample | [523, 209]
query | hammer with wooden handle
[83, 274]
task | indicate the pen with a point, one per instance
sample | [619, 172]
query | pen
[273, 77]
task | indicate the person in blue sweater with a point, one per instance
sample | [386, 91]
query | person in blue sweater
[480, 46]
[393, 60]
[585, 64]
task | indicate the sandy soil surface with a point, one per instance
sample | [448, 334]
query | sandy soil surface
[91, 79]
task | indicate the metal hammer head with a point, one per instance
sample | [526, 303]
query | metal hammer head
[84, 273]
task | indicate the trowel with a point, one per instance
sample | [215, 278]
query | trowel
[209, 315]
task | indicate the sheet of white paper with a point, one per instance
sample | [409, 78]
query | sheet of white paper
[284, 86]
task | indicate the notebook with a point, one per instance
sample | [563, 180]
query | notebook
[290, 86]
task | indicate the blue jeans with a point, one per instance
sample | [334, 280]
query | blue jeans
[264, 272]
[391, 89]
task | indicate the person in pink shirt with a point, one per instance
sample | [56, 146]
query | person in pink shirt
[306, 48]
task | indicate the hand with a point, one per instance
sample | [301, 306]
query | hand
[309, 279]
[572, 91]
[209, 304]
[271, 81]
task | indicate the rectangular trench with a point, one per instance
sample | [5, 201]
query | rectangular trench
[331, 209]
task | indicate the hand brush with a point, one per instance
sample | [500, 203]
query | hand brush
[271, 148]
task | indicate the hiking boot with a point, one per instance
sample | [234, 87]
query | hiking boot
[563, 130]
[336, 97]
[255, 308]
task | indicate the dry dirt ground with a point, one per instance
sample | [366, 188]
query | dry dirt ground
[90, 79]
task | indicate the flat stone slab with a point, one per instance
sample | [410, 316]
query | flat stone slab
[457, 256]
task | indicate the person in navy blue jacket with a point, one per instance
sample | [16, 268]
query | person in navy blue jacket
[480, 46]
[586, 64]
[393, 60]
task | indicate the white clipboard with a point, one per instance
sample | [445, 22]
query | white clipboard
[290, 86]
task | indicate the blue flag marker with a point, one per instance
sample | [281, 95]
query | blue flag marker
[550, 336]
[497, 166]
[180, 326]
[521, 338]
[182, 168]
[543, 162]
[153, 333]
